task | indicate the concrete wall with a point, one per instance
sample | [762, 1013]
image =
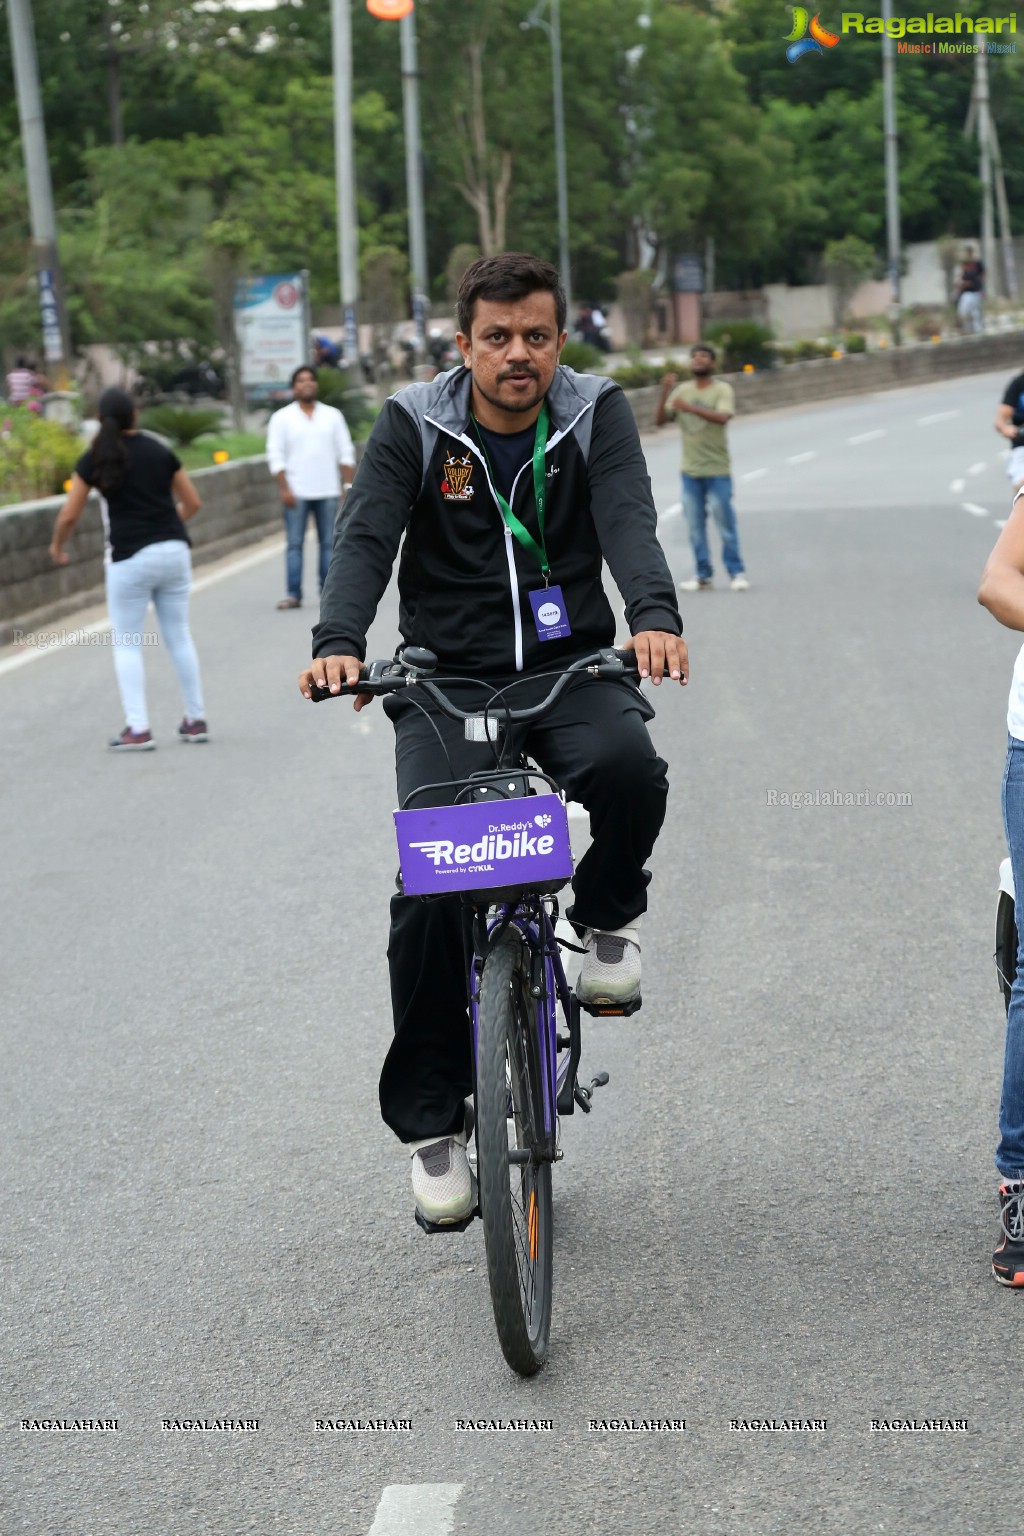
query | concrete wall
[830, 378]
[240, 505]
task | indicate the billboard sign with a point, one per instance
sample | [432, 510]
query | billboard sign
[272, 325]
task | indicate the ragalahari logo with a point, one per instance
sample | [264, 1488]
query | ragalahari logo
[799, 43]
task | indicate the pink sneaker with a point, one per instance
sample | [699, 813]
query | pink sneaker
[132, 741]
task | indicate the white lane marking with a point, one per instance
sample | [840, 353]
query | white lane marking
[927, 421]
[978, 469]
[801, 458]
[100, 626]
[416, 1509]
[753, 474]
[867, 437]
[1000, 522]
[956, 486]
[672, 511]
[976, 511]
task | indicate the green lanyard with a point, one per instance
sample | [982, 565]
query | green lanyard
[523, 534]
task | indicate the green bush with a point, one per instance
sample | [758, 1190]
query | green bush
[583, 357]
[36, 456]
[341, 388]
[741, 341]
[855, 342]
[639, 375]
[179, 423]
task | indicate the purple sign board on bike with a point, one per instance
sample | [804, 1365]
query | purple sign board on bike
[521, 842]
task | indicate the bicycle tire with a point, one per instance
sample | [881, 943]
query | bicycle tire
[515, 1199]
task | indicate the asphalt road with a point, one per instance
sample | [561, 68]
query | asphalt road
[782, 1206]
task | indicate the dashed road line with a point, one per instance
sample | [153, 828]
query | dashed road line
[1000, 522]
[976, 511]
[753, 474]
[672, 511]
[416, 1509]
[867, 437]
[801, 458]
[956, 486]
[927, 421]
[979, 468]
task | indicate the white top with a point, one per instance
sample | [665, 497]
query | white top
[309, 449]
[1015, 709]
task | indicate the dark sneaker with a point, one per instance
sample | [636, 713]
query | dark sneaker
[192, 730]
[132, 741]
[1008, 1259]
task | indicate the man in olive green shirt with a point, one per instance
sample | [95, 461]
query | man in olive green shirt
[703, 406]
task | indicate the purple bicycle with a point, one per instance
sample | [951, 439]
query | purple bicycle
[503, 846]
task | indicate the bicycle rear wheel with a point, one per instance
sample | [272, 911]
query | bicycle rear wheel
[515, 1196]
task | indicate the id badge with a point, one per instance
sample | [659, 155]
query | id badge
[549, 614]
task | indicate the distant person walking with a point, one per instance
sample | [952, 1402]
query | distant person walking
[704, 406]
[22, 384]
[145, 498]
[970, 289]
[1009, 423]
[308, 443]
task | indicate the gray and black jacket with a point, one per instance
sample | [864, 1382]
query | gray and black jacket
[463, 579]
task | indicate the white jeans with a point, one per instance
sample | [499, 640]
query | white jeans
[160, 573]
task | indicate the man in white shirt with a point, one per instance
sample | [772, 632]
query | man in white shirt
[310, 452]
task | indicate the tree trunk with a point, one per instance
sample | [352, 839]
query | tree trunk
[113, 79]
[486, 194]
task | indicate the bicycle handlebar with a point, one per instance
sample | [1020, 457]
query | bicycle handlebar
[413, 667]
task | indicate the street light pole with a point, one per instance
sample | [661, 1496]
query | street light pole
[56, 339]
[345, 176]
[988, 236]
[414, 181]
[892, 173]
[554, 32]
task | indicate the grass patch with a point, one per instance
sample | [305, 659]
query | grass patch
[237, 445]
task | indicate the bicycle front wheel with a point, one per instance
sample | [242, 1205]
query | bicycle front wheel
[515, 1190]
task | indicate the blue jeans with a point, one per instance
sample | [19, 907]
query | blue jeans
[1010, 1152]
[697, 491]
[325, 511]
[160, 574]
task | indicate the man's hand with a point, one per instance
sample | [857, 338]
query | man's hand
[331, 672]
[288, 497]
[659, 654]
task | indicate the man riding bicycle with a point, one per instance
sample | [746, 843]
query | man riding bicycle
[510, 478]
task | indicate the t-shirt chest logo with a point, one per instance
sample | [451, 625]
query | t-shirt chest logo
[455, 485]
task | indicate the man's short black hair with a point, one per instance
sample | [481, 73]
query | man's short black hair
[303, 368]
[704, 346]
[511, 276]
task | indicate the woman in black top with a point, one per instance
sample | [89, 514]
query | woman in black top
[145, 498]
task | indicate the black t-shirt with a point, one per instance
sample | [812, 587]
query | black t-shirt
[507, 452]
[972, 277]
[1014, 398]
[141, 511]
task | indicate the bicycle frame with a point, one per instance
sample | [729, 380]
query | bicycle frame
[549, 990]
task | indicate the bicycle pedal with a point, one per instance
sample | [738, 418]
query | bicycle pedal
[613, 1010]
[445, 1226]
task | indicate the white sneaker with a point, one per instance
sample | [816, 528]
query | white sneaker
[441, 1182]
[610, 969]
[696, 584]
[740, 583]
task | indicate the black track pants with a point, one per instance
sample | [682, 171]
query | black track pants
[595, 745]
